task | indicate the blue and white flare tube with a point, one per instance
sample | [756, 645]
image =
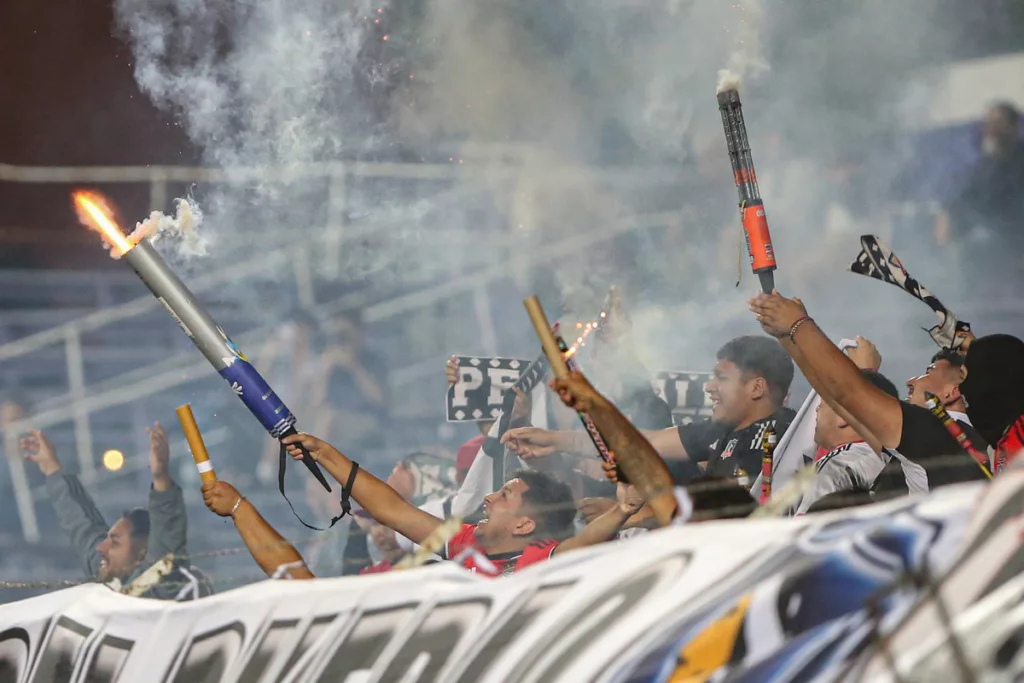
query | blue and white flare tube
[211, 340]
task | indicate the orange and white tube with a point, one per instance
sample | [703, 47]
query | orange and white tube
[195, 444]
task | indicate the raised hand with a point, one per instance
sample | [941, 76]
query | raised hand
[533, 442]
[611, 471]
[865, 355]
[159, 457]
[777, 314]
[37, 448]
[576, 392]
[630, 500]
[221, 497]
[451, 370]
[317, 448]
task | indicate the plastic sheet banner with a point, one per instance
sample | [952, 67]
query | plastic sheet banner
[779, 600]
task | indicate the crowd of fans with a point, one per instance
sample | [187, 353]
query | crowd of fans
[523, 493]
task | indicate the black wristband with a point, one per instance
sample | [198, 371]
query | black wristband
[346, 491]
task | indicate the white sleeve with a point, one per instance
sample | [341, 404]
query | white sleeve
[433, 507]
[478, 483]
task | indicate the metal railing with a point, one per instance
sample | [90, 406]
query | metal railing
[81, 401]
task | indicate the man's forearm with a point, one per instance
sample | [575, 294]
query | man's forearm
[637, 458]
[601, 530]
[270, 550]
[78, 517]
[168, 523]
[381, 501]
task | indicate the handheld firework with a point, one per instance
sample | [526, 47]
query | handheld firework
[195, 444]
[192, 318]
[560, 357]
[755, 222]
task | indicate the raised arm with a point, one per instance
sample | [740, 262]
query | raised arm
[270, 550]
[824, 365]
[607, 525]
[375, 496]
[77, 514]
[634, 454]
[168, 523]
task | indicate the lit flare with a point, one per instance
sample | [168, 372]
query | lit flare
[95, 213]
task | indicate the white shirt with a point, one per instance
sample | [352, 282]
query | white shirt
[848, 467]
[478, 483]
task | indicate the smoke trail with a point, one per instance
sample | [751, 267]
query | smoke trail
[746, 59]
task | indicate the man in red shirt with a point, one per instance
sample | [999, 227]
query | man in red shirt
[525, 521]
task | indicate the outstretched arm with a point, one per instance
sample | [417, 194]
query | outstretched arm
[606, 526]
[375, 496]
[77, 514]
[633, 453]
[533, 442]
[837, 377]
[270, 550]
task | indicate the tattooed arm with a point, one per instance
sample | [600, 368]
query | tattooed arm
[634, 454]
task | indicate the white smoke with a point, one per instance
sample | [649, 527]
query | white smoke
[182, 228]
[567, 85]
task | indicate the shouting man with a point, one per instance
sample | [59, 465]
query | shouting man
[139, 540]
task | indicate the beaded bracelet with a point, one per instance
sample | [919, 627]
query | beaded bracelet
[796, 326]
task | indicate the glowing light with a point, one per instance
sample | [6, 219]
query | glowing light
[579, 325]
[384, 38]
[94, 212]
[113, 460]
[603, 314]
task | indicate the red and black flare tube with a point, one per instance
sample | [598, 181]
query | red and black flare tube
[755, 223]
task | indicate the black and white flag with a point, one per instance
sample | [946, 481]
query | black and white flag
[684, 393]
[478, 395]
[877, 261]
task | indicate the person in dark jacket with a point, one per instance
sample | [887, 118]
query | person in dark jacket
[143, 553]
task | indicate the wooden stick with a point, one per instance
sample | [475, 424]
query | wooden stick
[547, 340]
[195, 444]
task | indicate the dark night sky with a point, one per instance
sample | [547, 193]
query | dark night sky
[69, 99]
[70, 96]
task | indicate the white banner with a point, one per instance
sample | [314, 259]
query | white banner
[774, 599]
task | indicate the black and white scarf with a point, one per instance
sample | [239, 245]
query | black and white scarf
[877, 261]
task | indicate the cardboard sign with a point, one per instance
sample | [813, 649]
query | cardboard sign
[684, 393]
[477, 396]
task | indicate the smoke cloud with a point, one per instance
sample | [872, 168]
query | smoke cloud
[574, 116]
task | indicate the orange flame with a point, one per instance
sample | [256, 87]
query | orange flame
[95, 213]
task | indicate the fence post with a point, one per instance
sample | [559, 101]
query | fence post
[335, 231]
[157, 189]
[76, 384]
[22, 492]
